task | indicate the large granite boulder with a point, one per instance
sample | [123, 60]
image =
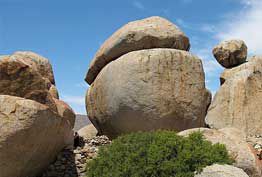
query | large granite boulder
[244, 154]
[217, 170]
[18, 78]
[153, 32]
[238, 101]
[147, 90]
[34, 124]
[230, 53]
[31, 135]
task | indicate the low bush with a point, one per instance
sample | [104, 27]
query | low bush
[156, 154]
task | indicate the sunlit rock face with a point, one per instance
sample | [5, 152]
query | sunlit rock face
[143, 79]
[238, 101]
[34, 124]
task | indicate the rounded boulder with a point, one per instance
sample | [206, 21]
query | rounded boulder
[230, 53]
[148, 90]
[217, 170]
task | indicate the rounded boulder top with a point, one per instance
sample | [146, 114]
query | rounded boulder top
[230, 53]
[217, 170]
[148, 33]
[39, 63]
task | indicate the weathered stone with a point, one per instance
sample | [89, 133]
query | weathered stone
[153, 32]
[148, 90]
[19, 79]
[64, 110]
[31, 135]
[238, 102]
[53, 91]
[39, 63]
[230, 53]
[222, 171]
[88, 131]
[244, 154]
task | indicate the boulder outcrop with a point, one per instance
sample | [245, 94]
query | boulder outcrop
[148, 90]
[153, 32]
[143, 79]
[238, 101]
[235, 142]
[230, 53]
[34, 124]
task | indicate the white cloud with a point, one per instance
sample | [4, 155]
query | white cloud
[138, 5]
[208, 28]
[83, 85]
[197, 27]
[246, 25]
[76, 102]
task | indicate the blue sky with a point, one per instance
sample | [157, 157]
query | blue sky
[69, 32]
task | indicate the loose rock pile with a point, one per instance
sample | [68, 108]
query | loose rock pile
[72, 162]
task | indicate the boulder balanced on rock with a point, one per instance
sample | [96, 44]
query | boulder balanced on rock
[161, 87]
[34, 124]
[238, 101]
[230, 53]
[153, 32]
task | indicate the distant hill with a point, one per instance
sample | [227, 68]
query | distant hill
[81, 121]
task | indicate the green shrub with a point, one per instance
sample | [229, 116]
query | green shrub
[156, 154]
